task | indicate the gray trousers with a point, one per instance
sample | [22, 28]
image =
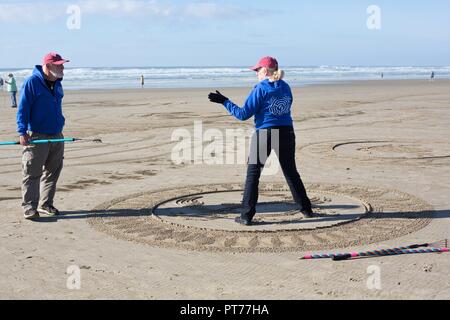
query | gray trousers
[41, 167]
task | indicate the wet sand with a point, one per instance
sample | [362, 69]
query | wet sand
[380, 145]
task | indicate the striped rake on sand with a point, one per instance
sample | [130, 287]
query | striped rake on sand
[439, 246]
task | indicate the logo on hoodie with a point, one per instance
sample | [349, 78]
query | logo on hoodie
[280, 106]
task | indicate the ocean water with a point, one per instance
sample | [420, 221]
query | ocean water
[214, 77]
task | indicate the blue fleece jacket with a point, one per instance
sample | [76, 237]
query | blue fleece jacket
[39, 109]
[270, 103]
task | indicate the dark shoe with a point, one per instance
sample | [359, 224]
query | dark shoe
[308, 213]
[31, 214]
[49, 210]
[243, 221]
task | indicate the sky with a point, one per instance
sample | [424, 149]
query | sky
[134, 33]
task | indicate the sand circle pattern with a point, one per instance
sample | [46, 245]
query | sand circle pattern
[276, 212]
[348, 216]
[431, 152]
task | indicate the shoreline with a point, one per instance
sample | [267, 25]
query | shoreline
[343, 83]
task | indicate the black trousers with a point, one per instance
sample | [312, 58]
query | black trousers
[282, 141]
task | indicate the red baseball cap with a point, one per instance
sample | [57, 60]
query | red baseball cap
[266, 62]
[53, 58]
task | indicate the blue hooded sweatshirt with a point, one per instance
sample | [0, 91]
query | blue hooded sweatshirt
[270, 103]
[39, 109]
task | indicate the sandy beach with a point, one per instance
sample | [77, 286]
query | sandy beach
[374, 155]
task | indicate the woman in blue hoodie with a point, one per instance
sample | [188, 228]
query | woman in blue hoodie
[270, 103]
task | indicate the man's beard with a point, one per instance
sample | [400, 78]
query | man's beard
[56, 74]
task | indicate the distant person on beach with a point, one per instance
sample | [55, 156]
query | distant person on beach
[142, 81]
[382, 75]
[40, 116]
[270, 103]
[432, 76]
[1, 86]
[12, 89]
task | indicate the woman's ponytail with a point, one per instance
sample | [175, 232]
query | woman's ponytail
[276, 75]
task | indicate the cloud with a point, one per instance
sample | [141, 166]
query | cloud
[46, 11]
[212, 11]
[195, 10]
[26, 12]
[125, 7]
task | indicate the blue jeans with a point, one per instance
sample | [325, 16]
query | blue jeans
[260, 149]
[13, 99]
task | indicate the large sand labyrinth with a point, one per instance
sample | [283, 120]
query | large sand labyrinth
[201, 218]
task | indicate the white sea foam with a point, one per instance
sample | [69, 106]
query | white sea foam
[179, 77]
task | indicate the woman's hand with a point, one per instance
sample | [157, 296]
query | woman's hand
[217, 97]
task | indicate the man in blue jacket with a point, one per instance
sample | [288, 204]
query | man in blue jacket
[39, 116]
